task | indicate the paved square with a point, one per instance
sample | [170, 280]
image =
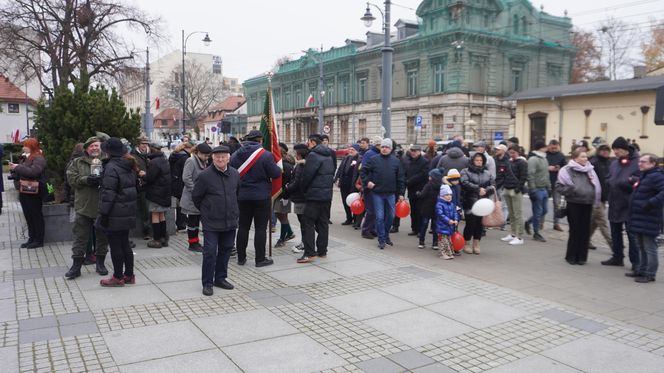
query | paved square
[424, 292]
[535, 363]
[477, 311]
[208, 361]
[172, 274]
[368, 304]
[306, 274]
[418, 327]
[349, 268]
[128, 295]
[243, 327]
[293, 353]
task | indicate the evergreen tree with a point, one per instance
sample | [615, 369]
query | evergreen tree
[74, 116]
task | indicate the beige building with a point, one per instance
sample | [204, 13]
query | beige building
[605, 109]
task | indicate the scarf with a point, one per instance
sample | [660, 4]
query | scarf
[565, 178]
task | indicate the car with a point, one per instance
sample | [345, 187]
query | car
[342, 151]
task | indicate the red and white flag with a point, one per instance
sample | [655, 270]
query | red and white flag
[271, 139]
[310, 101]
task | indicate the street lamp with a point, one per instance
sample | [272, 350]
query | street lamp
[387, 51]
[206, 41]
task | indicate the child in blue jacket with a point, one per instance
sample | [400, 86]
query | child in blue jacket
[447, 219]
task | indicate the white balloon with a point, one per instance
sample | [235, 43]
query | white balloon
[483, 207]
[352, 197]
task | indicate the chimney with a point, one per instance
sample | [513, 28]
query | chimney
[639, 71]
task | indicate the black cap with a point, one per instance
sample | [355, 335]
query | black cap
[316, 137]
[221, 149]
[253, 134]
[539, 144]
[620, 143]
[114, 147]
[283, 146]
[204, 148]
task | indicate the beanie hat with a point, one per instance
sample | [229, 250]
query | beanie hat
[620, 143]
[376, 140]
[89, 141]
[436, 174]
[113, 147]
[444, 190]
[453, 173]
[386, 143]
[539, 144]
[356, 147]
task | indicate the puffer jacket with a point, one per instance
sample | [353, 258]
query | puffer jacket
[158, 180]
[117, 195]
[472, 179]
[623, 173]
[538, 172]
[86, 197]
[256, 184]
[215, 195]
[454, 158]
[293, 190]
[445, 211]
[426, 199]
[192, 169]
[386, 172]
[501, 169]
[645, 215]
[318, 175]
[516, 175]
[176, 162]
[581, 191]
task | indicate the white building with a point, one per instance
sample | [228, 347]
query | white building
[16, 111]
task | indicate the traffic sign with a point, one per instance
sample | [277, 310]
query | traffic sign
[326, 129]
[418, 122]
[498, 136]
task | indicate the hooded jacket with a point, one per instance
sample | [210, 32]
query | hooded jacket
[516, 174]
[472, 179]
[445, 211]
[538, 172]
[158, 180]
[256, 184]
[192, 169]
[645, 215]
[118, 195]
[318, 175]
[454, 158]
[215, 195]
[386, 172]
[623, 173]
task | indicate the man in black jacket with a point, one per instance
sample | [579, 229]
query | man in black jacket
[317, 181]
[416, 168]
[257, 169]
[601, 162]
[215, 195]
[556, 161]
[384, 176]
[514, 185]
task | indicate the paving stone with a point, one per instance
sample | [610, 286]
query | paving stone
[380, 365]
[477, 311]
[72, 330]
[9, 359]
[368, 304]
[293, 353]
[286, 291]
[38, 323]
[272, 301]
[424, 292]
[155, 342]
[27, 336]
[298, 298]
[242, 327]
[355, 267]
[172, 274]
[435, 368]
[123, 296]
[587, 325]
[419, 272]
[411, 359]
[597, 354]
[534, 363]
[6, 290]
[303, 275]
[559, 315]
[209, 361]
[7, 310]
[261, 294]
[75, 318]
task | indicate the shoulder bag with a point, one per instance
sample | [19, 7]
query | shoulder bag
[496, 218]
[28, 186]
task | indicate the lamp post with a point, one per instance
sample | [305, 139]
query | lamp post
[206, 41]
[387, 51]
[147, 115]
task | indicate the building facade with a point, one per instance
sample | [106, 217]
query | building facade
[453, 68]
[16, 111]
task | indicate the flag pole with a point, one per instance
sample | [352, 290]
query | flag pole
[269, 226]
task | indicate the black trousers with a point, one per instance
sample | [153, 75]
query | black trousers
[344, 194]
[473, 228]
[216, 254]
[180, 218]
[31, 204]
[414, 213]
[121, 254]
[259, 213]
[579, 217]
[316, 220]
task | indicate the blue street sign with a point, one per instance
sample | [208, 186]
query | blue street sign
[498, 136]
[418, 121]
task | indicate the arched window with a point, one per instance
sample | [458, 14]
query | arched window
[524, 25]
[515, 24]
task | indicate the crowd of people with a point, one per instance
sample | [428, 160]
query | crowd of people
[116, 188]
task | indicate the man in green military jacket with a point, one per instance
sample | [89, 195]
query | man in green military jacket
[84, 175]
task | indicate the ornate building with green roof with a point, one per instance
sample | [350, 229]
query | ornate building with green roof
[454, 67]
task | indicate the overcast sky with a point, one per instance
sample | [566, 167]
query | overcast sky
[250, 35]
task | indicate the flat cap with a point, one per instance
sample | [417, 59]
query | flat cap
[221, 149]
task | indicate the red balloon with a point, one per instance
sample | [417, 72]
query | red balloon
[357, 207]
[458, 242]
[402, 209]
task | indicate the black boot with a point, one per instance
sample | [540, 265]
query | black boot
[75, 270]
[101, 268]
[164, 234]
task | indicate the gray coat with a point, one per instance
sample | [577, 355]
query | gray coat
[581, 191]
[192, 168]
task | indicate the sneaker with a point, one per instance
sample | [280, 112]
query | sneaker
[264, 263]
[347, 222]
[154, 244]
[224, 284]
[394, 230]
[280, 243]
[181, 229]
[297, 249]
[413, 233]
[446, 257]
[207, 291]
[457, 253]
[526, 226]
[434, 247]
[129, 280]
[273, 229]
[538, 237]
[368, 236]
[322, 255]
[516, 241]
[233, 252]
[241, 262]
[632, 274]
[389, 242]
[305, 259]
[508, 238]
[111, 282]
[615, 262]
[290, 237]
[420, 245]
[381, 245]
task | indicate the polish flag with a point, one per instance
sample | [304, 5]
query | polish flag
[310, 101]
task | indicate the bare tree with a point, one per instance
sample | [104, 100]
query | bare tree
[653, 47]
[587, 65]
[203, 89]
[65, 41]
[618, 39]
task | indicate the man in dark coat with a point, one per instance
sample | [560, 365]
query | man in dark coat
[215, 195]
[317, 181]
[646, 217]
[346, 177]
[453, 158]
[333, 154]
[416, 170]
[257, 169]
[384, 176]
[623, 173]
[140, 153]
[176, 162]
[601, 163]
[369, 222]
[556, 161]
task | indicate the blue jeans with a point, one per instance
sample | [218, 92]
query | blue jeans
[619, 245]
[648, 261]
[384, 210]
[424, 225]
[539, 199]
[217, 248]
